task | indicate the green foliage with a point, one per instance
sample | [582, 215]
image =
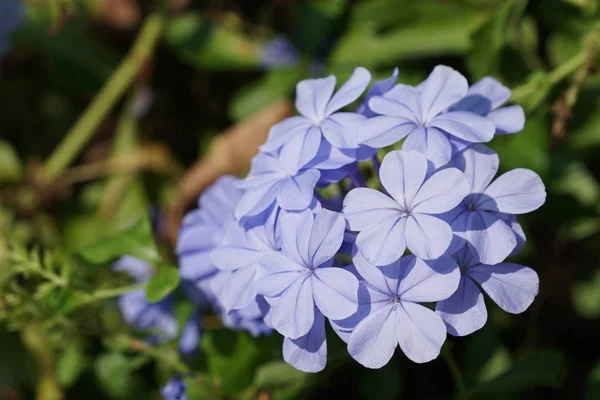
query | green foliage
[161, 284]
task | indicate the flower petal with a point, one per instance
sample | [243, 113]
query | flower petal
[402, 173]
[513, 287]
[491, 239]
[312, 96]
[420, 332]
[284, 131]
[515, 192]
[384, 242]
[300, 150]
[276, 273]
[294, 313]
[427, 237]
[443, 191]
[479, 163]
[464, 312]
[373, 341]
[342, 129]
[309, 352]
[443, 88]
[189, 339]
[296, 230]
[364, 207]
[379, 132]
[430, 142]
[239, 291]
[465, 125]
[326, 236]
[257, 199]
[425, 281]
[335, 291]
[508, 120]
[350, 91]
[378, 89]
[483, 96]
[297, 192]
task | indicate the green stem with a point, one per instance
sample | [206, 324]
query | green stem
[163, 357]
[104, 294]
[121, 79]
[457, 376]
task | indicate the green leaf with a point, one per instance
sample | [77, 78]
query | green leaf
[232, 358]
[543, 368]
[277, 374]
[204, 44]
[161, 284]
[11, 167]
[586, 297]
[134, 239]
[490, 39]
[113, 373]
[70, 366]
[592, 391]
[258, 95]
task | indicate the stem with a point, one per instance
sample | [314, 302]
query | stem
[104, 294]
[117, 85]
[459, 381]
[176, 364]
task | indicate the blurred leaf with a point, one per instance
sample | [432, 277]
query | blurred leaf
[592, 391]
[260, 94]
[526, 149]
[586, 297]
[586, 135]
[562, 47]
[11, 167]
[113, 372]
[277, 374]
[543, 368]
[589, 7]
[577, 181]
[313, 22]
[497, 364]
[490, 39]
[205, 44]
[534, 91]
[480, 349]
[70, 366]
[232, 358]
[135, 240]
[363, 45]
[161, 284]
[382, 384]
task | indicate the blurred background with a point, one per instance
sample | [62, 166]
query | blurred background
[109, 107]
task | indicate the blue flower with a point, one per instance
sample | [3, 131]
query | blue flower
[379, 88]
[240, 252]
[320, 132]
[421, 116]
[301, 277]
[12, 14]
[484, 217]
[387, 225]
[175, 389]
[279, 52]
[511, 286]
[270, 182]
[485, 98]
[202, 229]
[390, 314]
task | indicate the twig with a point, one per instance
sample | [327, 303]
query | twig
[122, 78]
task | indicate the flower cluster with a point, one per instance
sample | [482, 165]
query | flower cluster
[272, 250]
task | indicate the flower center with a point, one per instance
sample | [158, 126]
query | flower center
[396, 300]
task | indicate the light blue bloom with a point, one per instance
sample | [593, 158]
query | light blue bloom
[12, 14]
[175, 389]
[483, 218]
[279, 52]
[390, 314]
[321, 133]
[512, 287]
[301, 277]
[422, 116]
[387, 225]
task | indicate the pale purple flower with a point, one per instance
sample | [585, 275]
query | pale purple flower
[379, 88]
[421, 116]
[320, 131]
[392, 315]
[512, 287]
[270, 182]
[240, 251]
[309, 352]
[485, 98]
[175, 389]
[484, 218]
[301, 276]
[279, 52]
[387, 225]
